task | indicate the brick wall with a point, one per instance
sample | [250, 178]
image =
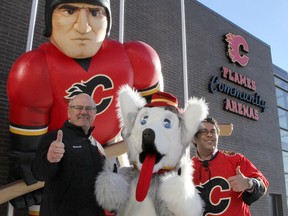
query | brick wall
[158, 23]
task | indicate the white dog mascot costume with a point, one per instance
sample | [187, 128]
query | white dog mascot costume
[158, 136]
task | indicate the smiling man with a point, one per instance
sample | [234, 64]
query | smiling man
[228, 182]
[68, 160]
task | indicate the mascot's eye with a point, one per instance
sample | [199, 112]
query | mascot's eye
[167, 123]
[143, 120]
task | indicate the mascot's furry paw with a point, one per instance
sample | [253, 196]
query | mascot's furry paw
[112, 190]
[178, 192]
[158, 135]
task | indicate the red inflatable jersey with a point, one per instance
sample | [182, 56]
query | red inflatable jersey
[42, 81]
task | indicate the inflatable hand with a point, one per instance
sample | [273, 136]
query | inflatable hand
[20, 168]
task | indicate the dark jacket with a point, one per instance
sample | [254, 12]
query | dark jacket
[69, 184]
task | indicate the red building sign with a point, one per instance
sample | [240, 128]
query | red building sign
[236, 46]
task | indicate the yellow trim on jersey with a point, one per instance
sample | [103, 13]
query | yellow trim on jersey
[150, 91]
[33, 213]
[28, 132]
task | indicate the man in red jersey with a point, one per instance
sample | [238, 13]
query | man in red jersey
[228, 182]
[79, 58]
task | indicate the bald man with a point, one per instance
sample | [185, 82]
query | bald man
[68, 160]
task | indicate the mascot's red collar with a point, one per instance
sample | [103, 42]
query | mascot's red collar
[161, 171]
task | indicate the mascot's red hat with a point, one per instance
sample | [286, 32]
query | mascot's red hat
[163, 99]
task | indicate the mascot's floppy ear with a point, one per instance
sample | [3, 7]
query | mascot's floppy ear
[195, 111]
[129, 104]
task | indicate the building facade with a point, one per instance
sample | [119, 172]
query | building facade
[239, 90]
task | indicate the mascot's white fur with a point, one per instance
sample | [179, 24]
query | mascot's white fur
[158, 136]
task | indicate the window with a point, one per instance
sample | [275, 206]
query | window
[282, 98]
[284, 139]
[276, 202]
[283, 118]
[285, 161]
[281, 83]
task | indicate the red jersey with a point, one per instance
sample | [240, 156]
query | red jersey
[42, 81]
[210, 178]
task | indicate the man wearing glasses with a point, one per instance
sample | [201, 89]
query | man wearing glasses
[68, 160]
[228, 182]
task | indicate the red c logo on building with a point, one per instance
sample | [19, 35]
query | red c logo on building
[236, 45]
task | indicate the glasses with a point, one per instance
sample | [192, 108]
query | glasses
[80, 108]
[206, 132]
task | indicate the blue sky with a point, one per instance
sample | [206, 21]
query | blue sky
[265, 19]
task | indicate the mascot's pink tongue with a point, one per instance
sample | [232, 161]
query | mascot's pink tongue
[145, 177]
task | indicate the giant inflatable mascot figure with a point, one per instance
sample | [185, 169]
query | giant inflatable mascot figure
[78, 58]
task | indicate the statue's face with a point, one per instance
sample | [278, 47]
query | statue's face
[78, 29]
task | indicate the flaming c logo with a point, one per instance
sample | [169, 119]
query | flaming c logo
[219, 202]
[102, 82]
[237, 45]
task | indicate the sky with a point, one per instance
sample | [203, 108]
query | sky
[265, 19]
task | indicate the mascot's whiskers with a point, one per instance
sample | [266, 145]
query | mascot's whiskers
[158, 135]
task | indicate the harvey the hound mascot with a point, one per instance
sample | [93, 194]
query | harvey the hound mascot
[158, 136]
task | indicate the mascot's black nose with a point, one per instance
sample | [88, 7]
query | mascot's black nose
[148, 146]
[148, 138]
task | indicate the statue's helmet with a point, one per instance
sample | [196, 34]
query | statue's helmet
[50, 5]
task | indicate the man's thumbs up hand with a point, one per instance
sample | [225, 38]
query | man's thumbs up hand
[238, 182]
[56, 149]
[238, 171]
[59, 136]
